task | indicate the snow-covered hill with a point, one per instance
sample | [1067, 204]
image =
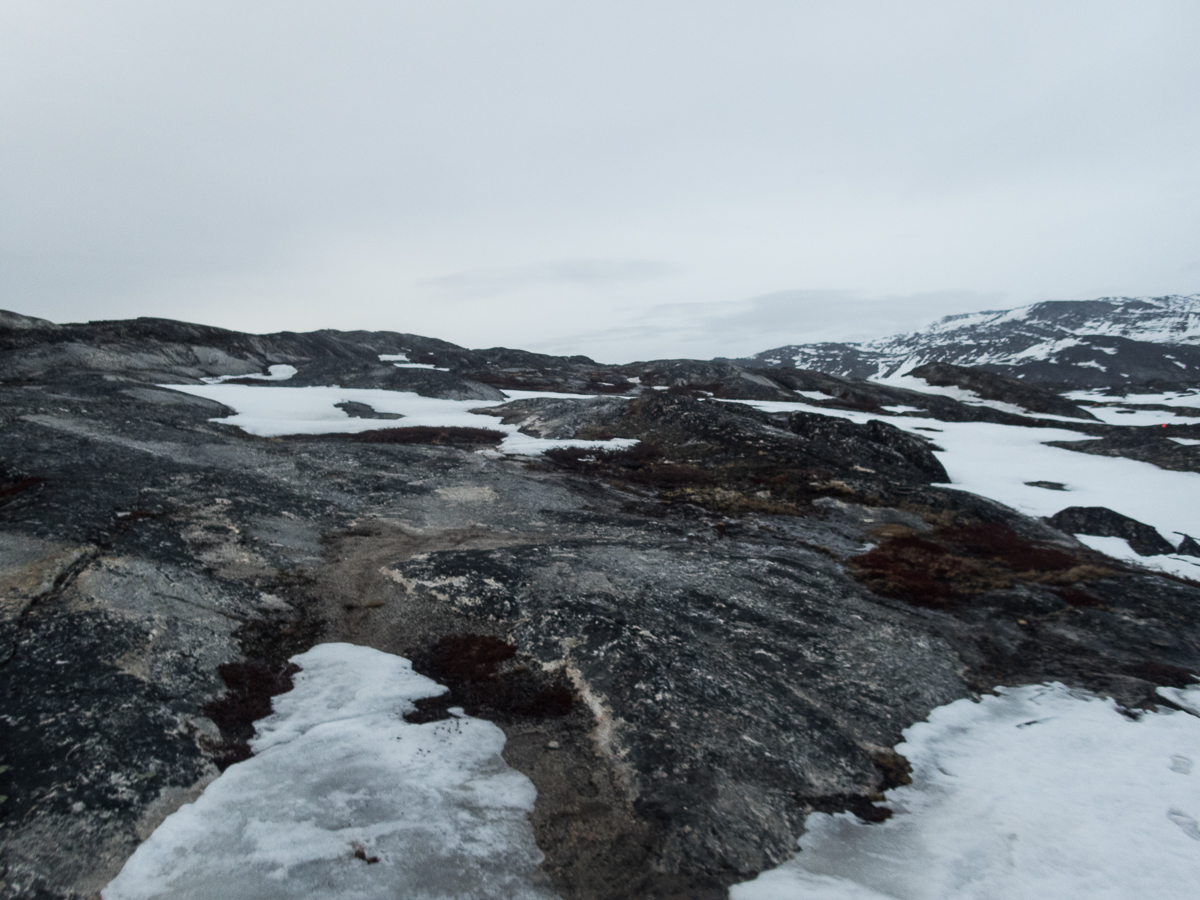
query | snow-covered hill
[1114, 341]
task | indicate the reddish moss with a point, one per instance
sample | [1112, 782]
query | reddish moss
[249, 687]
[11, 489]
[469, 657]
[952, 564]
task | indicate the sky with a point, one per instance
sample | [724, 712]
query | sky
[629, 180]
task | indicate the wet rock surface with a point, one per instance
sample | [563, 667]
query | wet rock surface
[690, 644]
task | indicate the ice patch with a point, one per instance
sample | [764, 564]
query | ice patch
[338, 771]
[1187, 442]
[1039, 792]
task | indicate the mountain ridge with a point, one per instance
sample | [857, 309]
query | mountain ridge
[1110, 342]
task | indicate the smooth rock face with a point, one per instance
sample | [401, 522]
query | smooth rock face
[690, 644]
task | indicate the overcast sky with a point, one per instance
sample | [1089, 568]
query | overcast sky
[623, 179]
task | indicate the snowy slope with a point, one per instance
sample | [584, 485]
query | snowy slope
[1084, 343]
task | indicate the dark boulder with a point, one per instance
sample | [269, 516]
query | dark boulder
[1101, 521]
[1188, 546]
[875, 446]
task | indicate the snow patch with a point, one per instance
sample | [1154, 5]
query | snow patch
[313, 410]
[1037, 792]
[432, 810]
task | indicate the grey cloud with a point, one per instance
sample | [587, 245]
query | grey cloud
[742, 328]
[593, 272]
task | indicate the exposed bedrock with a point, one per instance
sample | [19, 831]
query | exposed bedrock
[690, 643]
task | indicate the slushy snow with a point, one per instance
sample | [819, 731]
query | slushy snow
[1038, 793]
[338, 770]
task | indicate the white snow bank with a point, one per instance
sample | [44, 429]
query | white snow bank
[313, 410]
[274, 373]
[1034, 794]
[1118, 548]
[337, 770]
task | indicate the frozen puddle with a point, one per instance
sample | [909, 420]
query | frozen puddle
[1036, 794]
[337, 769]
[313, 410]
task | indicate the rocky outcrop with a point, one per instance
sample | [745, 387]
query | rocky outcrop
[691, 642]
[991, 386]
[1103, 522]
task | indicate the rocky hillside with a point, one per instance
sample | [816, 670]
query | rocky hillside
[1111, 342]
[705, 606]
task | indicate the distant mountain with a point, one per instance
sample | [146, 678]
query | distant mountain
[1110, 342]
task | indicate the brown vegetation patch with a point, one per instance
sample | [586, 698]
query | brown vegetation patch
[1074, 596]
[425, 434]
[952, 564]
[12, 488]
[249, 687]
[469, 657]
[485, 679]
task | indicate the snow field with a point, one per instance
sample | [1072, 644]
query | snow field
[1038, 793]
[338, 770]
[312, 410]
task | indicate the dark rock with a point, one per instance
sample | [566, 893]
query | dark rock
[991, 386]
[1048, 485]
[1103, 522]
[1188, 546]
[357, 410]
